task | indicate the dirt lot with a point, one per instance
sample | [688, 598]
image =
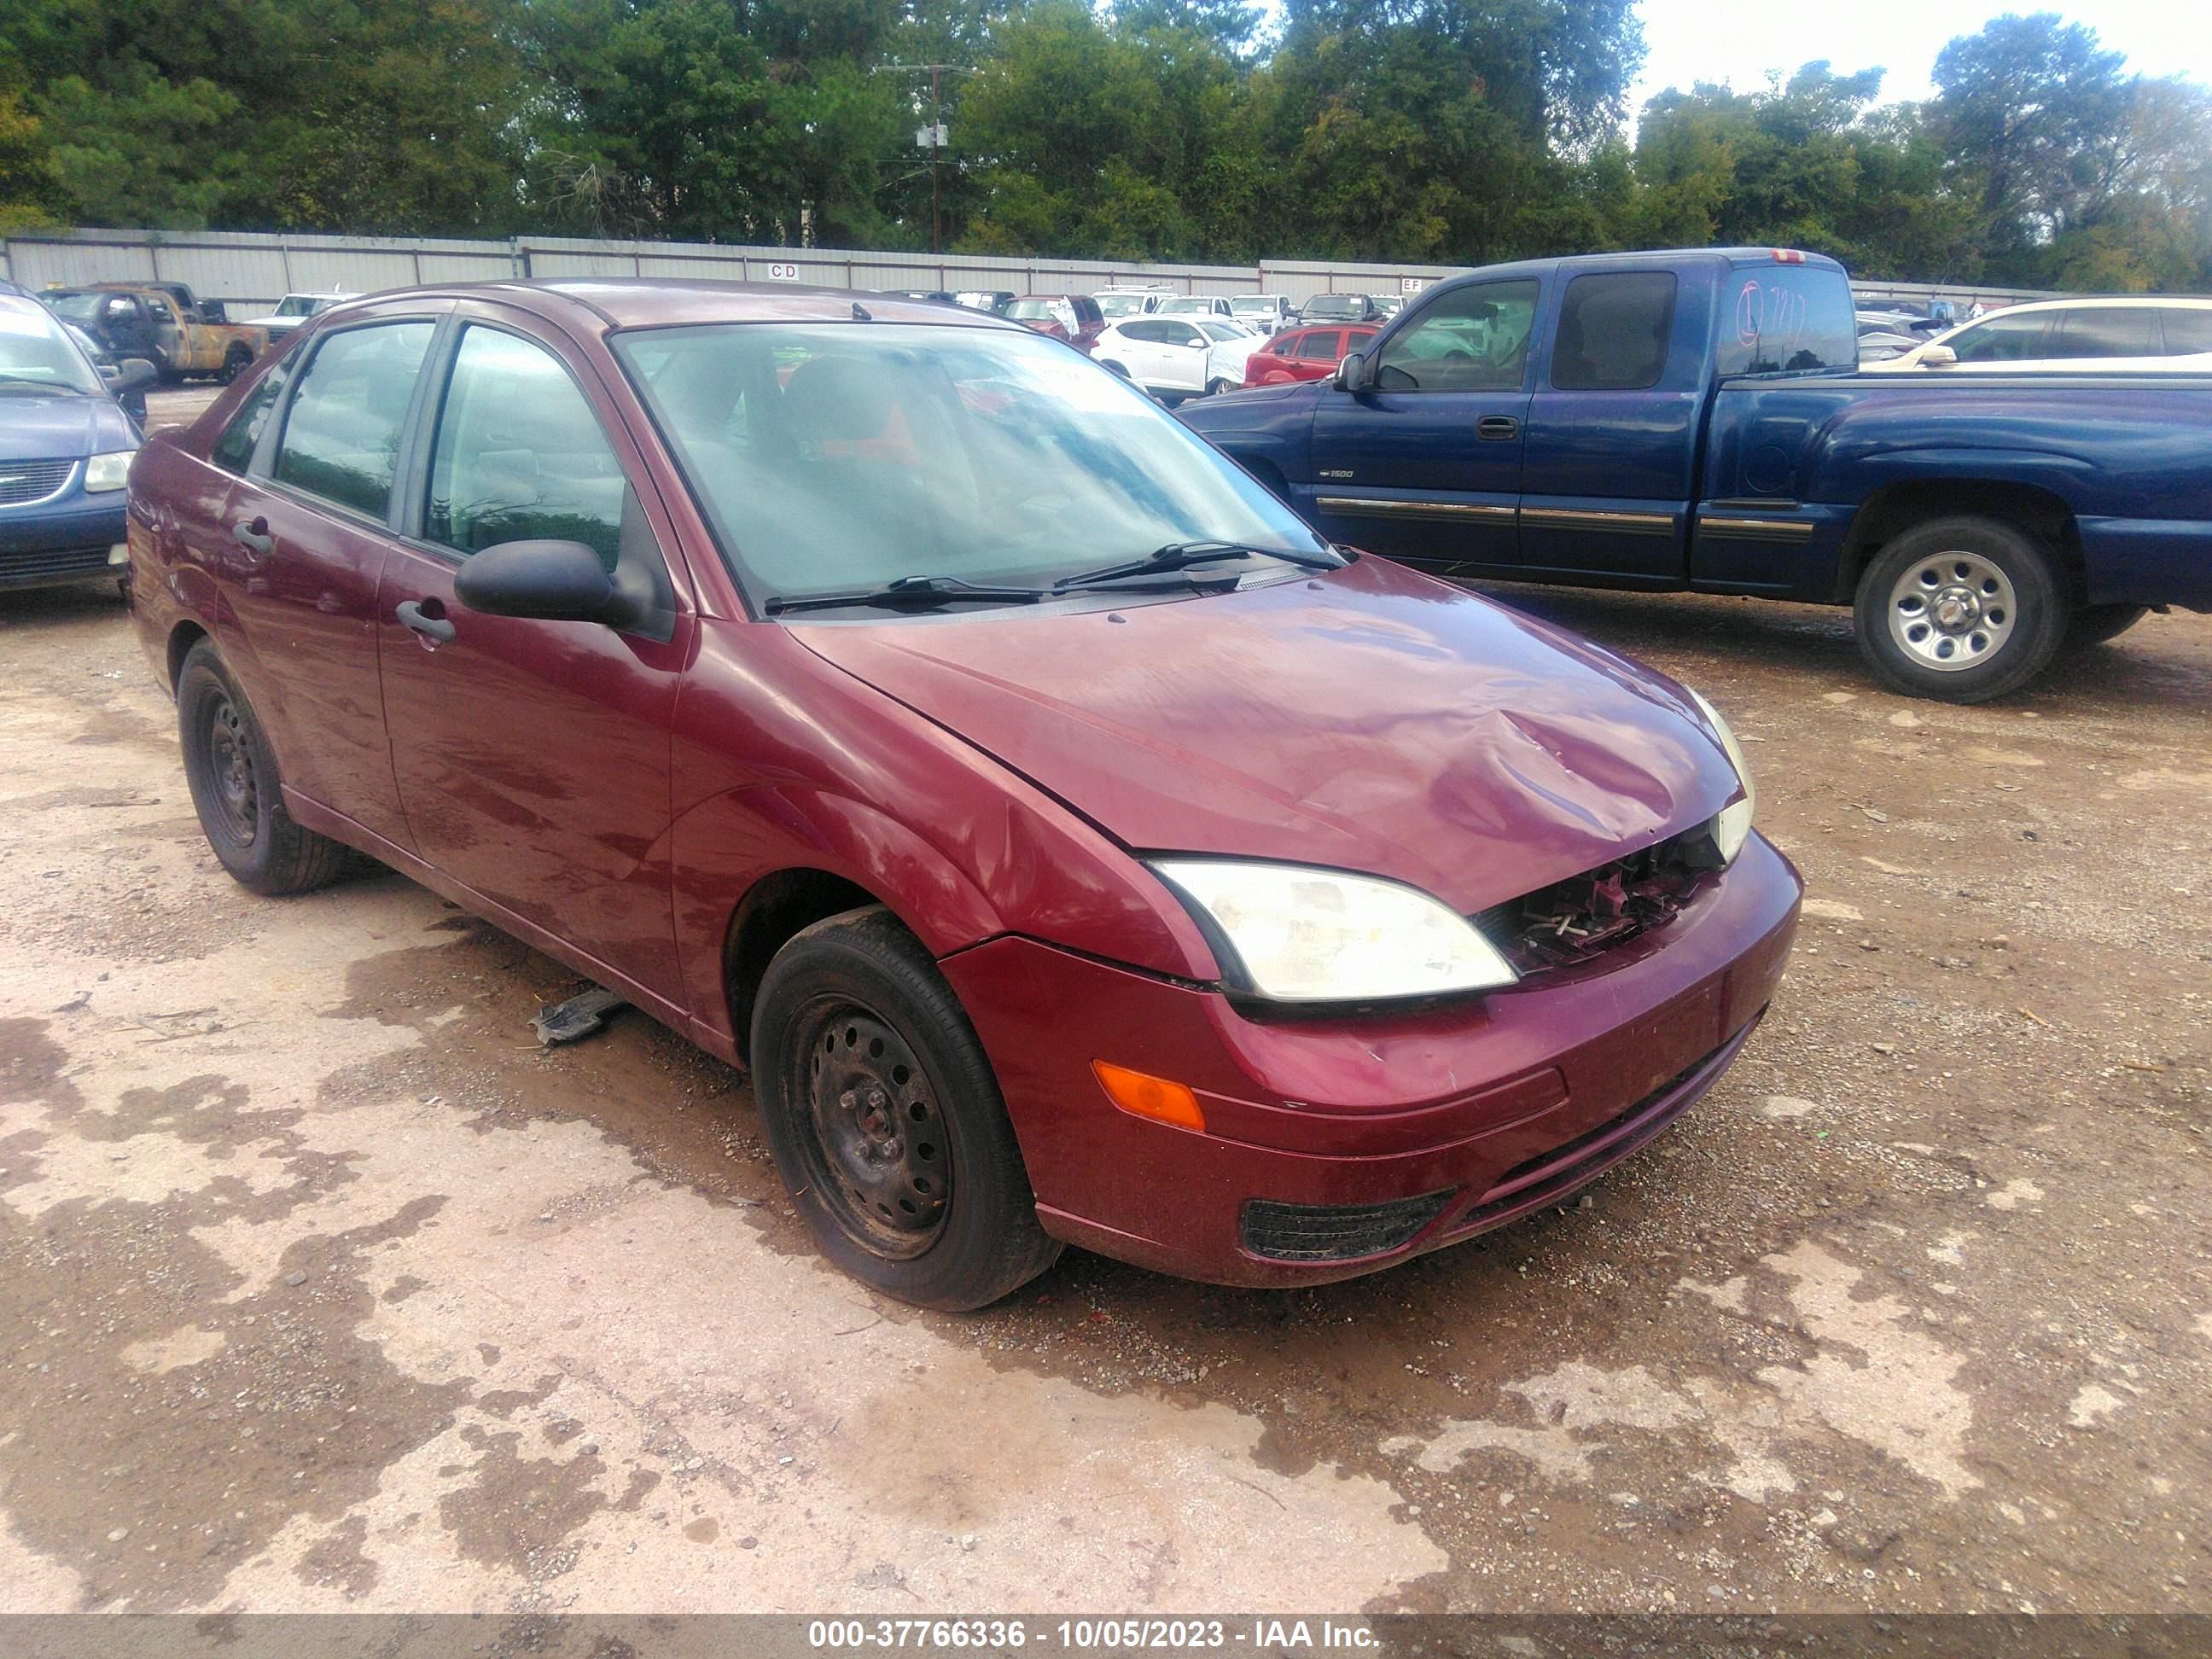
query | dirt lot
[322, 1288]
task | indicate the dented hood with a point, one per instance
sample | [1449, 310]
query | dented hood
[1371, 720]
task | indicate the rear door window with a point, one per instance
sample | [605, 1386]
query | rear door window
[233, 450]
[1614, 330]
[2108, 331]
[341, 439]
[2188, 331]
[520, 456]
[1322, 343]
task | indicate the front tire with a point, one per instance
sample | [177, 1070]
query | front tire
[1963, 609]
[232, 772]
[1215, 388]
[885, 1119]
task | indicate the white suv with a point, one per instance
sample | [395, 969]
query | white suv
[1175, 357]
[2059, 337]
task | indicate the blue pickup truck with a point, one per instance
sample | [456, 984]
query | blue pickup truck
[1695, 419]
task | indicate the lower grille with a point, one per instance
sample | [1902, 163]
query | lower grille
[1336, 1232]
[21, 482]
[54, 561]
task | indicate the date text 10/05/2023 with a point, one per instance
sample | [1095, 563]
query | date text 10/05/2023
[1091, 1635]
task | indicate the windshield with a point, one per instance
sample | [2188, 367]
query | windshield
[297, 305]
[1041, 311]
[1254, 305]
[1214, 329]
[836, 457]
[34, 351]
[82, 309]
[1121, 305]
[1186, 305]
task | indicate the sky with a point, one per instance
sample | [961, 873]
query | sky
[1737, 41]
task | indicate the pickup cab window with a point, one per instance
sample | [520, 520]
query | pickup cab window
[1614, 328]
[1471, 339]
[1787, 319]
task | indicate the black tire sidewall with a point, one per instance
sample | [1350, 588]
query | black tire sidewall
[2094, 624]
[991, 1242]
[2039, 594]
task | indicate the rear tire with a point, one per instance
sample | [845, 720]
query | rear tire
[2094, 624]
[235, 363]
[1962, 609]
[1215, 388]
[232, 772]
[885, 1119]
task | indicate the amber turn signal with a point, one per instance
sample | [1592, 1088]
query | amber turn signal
[1150, 1097]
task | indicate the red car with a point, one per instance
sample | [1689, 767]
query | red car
[1074, 318]
[1305, 354]
[1074, 846]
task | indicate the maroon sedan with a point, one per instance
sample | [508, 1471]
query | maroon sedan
[1074, 846]
[1074, 318]
[1305, 354]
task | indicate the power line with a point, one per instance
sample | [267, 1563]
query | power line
[937, 136]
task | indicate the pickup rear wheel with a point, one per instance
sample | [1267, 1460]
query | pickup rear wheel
[885, 1119]
[236, 361]
[232, 774]
[1962, 609]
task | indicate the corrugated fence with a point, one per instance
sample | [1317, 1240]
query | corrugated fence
[247, 270]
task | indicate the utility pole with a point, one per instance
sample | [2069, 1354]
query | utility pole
[934, 138]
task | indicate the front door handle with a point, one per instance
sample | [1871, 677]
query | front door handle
[252, 533]
[434, 630]
[1496, 429]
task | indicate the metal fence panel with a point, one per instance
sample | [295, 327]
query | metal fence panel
[248, 269]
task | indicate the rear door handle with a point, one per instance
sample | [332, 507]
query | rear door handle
[252, 533]
[1496, 428]
[435, 629]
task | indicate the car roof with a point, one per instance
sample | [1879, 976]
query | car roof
[651, 302]
[2164, 302]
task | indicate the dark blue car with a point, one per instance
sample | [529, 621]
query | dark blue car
[65, 451]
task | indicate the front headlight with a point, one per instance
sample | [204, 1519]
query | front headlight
[1732, 824]
[110, 471]
[1294, 934]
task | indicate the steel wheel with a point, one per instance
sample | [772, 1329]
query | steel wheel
[1952, 610]
[236, 794]
[872, 1134]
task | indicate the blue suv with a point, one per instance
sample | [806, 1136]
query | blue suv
[65, 451]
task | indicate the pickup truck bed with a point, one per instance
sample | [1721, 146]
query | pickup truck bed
[1695, 420]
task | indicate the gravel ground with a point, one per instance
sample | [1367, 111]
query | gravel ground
[322, 1288]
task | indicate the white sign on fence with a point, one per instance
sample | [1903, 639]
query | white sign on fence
[783, 273]
[1411, 284]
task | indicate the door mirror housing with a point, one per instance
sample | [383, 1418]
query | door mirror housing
[1938, 356]
[549, 582]
[1352, 372]
[131, 375]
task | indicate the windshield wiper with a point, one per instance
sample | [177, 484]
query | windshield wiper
[1182, 556]
[920, 591]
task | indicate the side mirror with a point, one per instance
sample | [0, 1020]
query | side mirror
[550, 581]
[1352, 372]
[131, 375]
[1938, 356]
